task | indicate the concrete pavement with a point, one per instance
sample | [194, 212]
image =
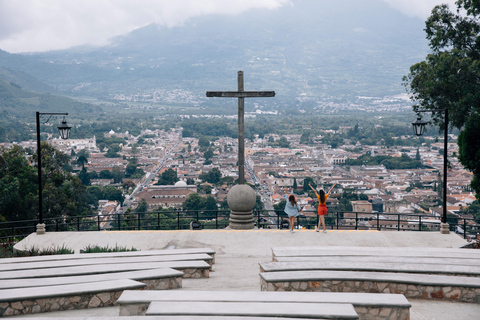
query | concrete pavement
[240, 251]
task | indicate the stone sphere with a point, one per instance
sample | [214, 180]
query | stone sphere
[241, 197]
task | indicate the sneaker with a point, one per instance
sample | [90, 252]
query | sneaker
[324, 231]
[292, 231]
[316, 229]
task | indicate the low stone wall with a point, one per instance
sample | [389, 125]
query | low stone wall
[447, 293]
[133, 309]
[163, 284]
[196, 273]
[98, 300]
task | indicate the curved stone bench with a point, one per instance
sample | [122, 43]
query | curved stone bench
[310, 251]
[332, 264]
[63, 297]
[100, 259]
[423, 286]
[253, 309]
[369, 306]
[392, 259]
[155, 279]
[191, 269]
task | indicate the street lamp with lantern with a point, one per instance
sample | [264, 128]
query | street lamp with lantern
[418, 129]
[64, 130]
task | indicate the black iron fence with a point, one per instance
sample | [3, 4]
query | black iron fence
[219, 219]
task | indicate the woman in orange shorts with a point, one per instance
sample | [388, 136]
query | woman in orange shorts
[322, 206]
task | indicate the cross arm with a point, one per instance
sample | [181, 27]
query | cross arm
[240, 94]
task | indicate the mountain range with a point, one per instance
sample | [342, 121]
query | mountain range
[308, 52]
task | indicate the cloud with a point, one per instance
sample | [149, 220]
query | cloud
[40, 25]
[418, 8]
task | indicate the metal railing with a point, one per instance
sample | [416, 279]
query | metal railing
[219, 219]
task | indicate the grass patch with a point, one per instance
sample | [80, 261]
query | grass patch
[6, 251]
[98, 249]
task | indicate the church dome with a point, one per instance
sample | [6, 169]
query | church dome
[180, 184]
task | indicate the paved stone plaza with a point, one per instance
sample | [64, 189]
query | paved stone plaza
[238, 253]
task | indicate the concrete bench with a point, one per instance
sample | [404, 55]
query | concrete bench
[147, 253]
[191, 269]
[391, 259]
[155, 279]
[63, 297]
[25, 264]
[333, 264]
[423, 286]
[369, 306]
[253, 309]
[375, 251]
[179, 318]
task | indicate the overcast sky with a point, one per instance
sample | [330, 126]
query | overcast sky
[40, 25]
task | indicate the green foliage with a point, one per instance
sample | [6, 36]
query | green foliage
[448, 78]
[469, 146]
[98, 249]
[105, 174]
[63, 193]
[96, 193]
[306, 181]
[391, 163]
[194, 202]
[7, 251]
[168, 177]
[213, 176]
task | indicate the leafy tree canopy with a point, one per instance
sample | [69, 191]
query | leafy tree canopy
[449, 78]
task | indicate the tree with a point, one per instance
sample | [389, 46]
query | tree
[84, 177]
[203, 143]
[105, 174]
[81, 160]
[306, 181]
[449, 78]
[127, 184]
[194, 202]
[63, 193]
[134, 152]
[168, 177]
[295, 186]
[213, 176]
[117, 175]
[211, 203]
[208, 154]
[113, 194]
[283, 142]
[417, 155]
[130, 169]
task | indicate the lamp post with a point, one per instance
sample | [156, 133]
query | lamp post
[418, 128]
[64, 130]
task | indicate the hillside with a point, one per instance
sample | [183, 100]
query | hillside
[310, 52]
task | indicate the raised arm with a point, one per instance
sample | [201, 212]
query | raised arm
[331, 188]
[313, 189]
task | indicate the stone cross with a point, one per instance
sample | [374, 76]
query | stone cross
[241, 95]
